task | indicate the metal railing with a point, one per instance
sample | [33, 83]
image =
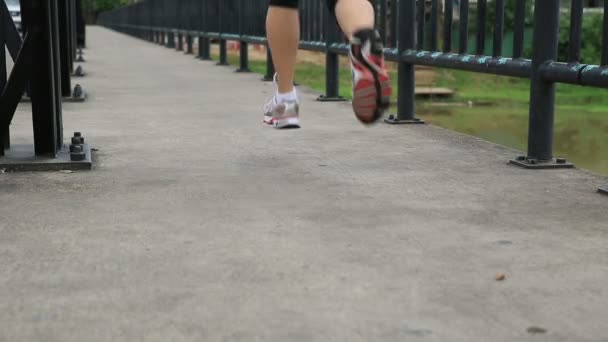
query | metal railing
[411, 31]
[43, 66]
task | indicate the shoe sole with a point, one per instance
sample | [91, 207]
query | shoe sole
[365, 110]
[285, 123]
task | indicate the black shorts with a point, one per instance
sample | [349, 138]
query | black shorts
[294, 3]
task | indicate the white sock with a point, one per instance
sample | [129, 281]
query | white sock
[291, 96]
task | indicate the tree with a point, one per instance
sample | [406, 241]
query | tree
[510, 14]
[92, 8]
[591, 39]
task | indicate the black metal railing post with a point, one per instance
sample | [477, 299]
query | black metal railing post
[394, 23]
[605, 35]
[5, 142]
[38, 17]
[332, 62]
[169, 8]
[58, 73]
[190, 26]
[189, 43]
[382, 24]
[499, 23]
[178, 25]
[4, 136]
[71, 57]
[269, 66]
[421, 25]
[204, 44]
[447, 26]
[73, 31]
[463, 45]
[81, 30]
[222, 42]
[542, 94]
[576, 30]
[244, 47]
[434, 21]
[64, 46]
[171, 39]
[519, 28]
[406, 73]
[481, 26]
[180, 41]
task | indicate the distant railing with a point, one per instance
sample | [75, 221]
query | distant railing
[404, 28]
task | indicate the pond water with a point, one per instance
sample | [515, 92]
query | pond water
[580, 136]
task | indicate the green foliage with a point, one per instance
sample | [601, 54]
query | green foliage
[92, 8]
[103, 5]
[509, 14]
[591, 49]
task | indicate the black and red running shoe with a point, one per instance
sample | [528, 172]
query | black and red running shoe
[372, 87]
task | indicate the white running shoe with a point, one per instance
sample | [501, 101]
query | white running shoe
[285, 114]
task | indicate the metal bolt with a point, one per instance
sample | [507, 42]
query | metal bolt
[77, 91]
[77, 134]
[391, 117]
[76, 141]
[560, 160]
[532, 161]
[80, 58]
[77, 156]
[77, 151]
[521, 158]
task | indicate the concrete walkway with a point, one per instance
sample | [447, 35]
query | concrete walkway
[201, 224]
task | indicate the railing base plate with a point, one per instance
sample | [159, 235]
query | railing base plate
[603, 189]
[324, 98]
[243, 70]
[533, 164]
[21, 158]
[393, 120]
[72, 98]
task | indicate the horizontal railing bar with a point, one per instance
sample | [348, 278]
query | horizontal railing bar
[313, 46]
[577, 74]
[338, 48]
[254, 39]
[391, 55]
[483, 64]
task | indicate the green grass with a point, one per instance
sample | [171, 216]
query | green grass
[581, 117]
[472, 86]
